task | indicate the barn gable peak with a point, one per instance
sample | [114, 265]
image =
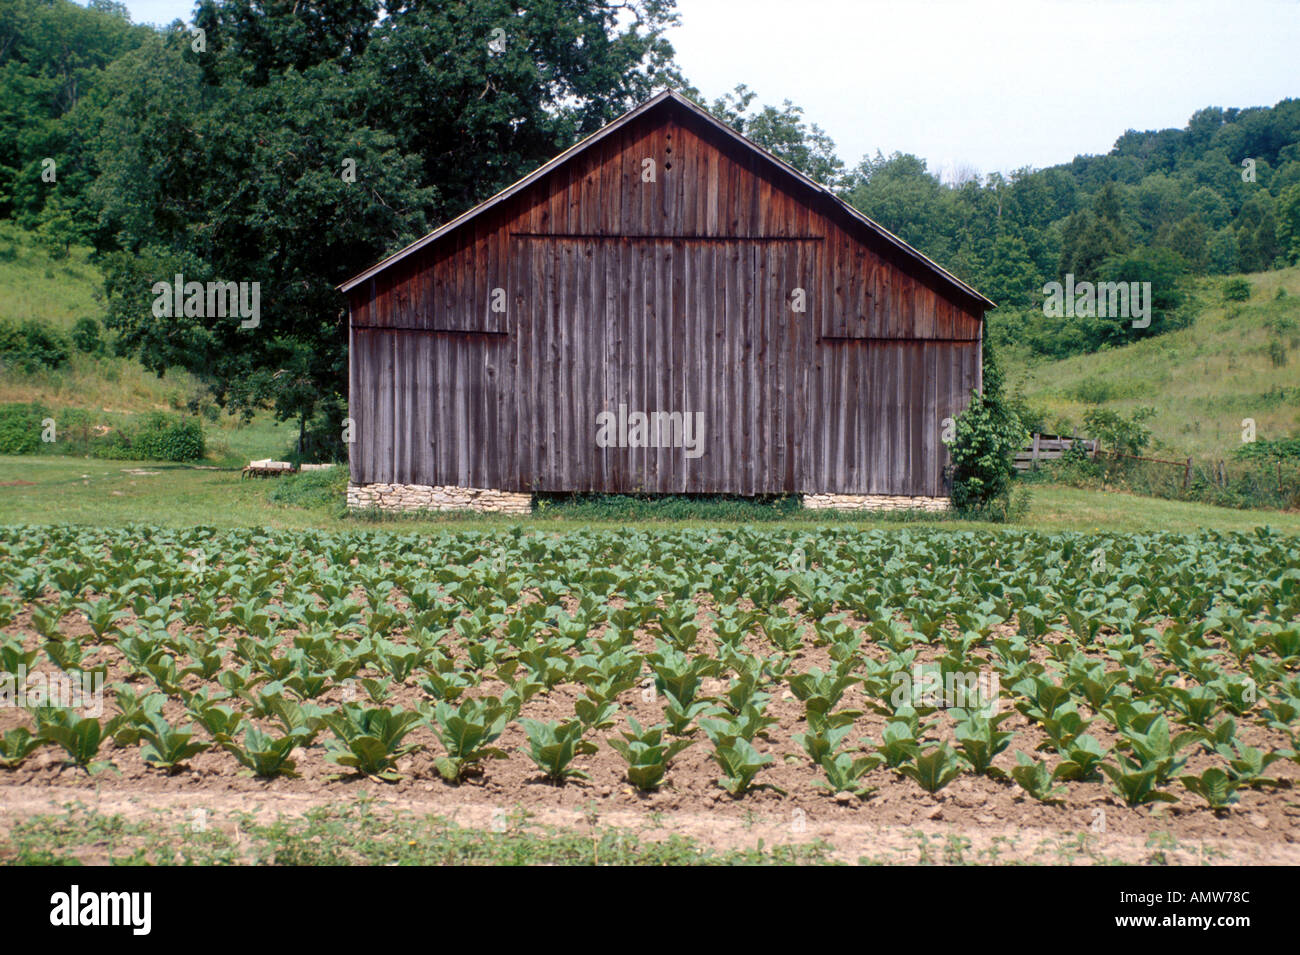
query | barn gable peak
[665, 100]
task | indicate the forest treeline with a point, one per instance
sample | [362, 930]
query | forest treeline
[293, 144]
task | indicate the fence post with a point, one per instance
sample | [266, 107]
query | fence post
[1033, 464]
[1187, 474]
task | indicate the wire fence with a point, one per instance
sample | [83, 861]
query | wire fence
[1227, 483]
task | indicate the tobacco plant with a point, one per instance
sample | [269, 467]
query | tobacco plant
[647, 755]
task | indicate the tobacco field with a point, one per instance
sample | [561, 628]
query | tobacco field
[831, 670]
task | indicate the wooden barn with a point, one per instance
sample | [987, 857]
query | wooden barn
[662, 308]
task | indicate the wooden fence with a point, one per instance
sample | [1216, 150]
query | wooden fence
[1048, 447]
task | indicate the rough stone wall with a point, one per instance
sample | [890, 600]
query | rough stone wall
[875, 502]
[417, 497]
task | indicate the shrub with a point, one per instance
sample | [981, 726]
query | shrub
[1285, 449]
[1117, 433]
[76, 430]
[32, 345]
[1277, 353]
[86, 335]
[1094, 391]
[163, 438]
[1236, 290]
[983, 453]
[668, 507]
[312, 488]
[20, 428]
[1033, 417]
[988, 435]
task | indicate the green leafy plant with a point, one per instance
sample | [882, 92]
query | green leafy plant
[1136, 781]
[80, 737]
[647, 755]
[467, 732]
[988, 435]
[740, 763]
[843, 769]
[16, 745]
[167, 747]
[370, 739]
[980, 739]
[1081, 758]
[1215, 786]
[934, 768]
[265, 755]
[1035, 778]
[553, 746]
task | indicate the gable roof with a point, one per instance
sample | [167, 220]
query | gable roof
[669, 96]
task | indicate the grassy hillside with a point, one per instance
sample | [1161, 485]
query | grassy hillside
[1201, 380]
[57, 292]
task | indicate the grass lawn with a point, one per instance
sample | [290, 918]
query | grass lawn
[52, 489]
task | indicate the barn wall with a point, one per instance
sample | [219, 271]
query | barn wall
[666, 296]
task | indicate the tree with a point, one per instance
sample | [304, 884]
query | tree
[297, 149]
[988, 435]
[1288, 225]
[1092, 236]
[1011, 278]
[784, 134]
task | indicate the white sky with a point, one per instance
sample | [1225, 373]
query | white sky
[993, 85]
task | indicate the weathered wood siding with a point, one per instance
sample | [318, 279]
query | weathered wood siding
[672, 295]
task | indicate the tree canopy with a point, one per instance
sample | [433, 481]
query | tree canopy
[292, 143]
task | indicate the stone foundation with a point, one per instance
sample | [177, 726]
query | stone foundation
[424, 497]
[875, 502]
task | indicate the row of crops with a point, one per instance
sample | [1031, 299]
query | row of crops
[1163, 666]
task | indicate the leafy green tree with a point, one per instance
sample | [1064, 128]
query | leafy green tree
[1011, 278]
[1221, 253]
[988, 435]
[1165, 270]
[1288, 230]
[903, 196]
[1090, 237]
[1190, 238]
[1256, 227]
[297, 148]
[52, 55]
[784, 134]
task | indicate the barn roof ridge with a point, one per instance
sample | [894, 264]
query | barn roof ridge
[667, 95]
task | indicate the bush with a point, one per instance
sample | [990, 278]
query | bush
[983, 454]
[163, 438]
[32, 346]
[86, 335]
[1286, 449]
[312, 488]
[20, 428]
[1277, 353]
[1117, 433]
[1236, 290]
[1249, 484]
[157, 437]
[1033, 417]
[1094, 391]
[667, 507]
